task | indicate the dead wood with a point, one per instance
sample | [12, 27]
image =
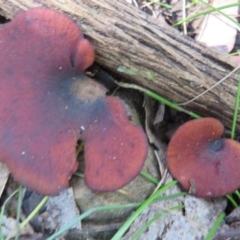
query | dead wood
[150, 53]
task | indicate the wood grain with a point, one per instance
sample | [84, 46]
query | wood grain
[148, 52]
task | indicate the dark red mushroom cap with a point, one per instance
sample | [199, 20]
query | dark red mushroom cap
[47, 105]
[205, 164]
[117, 143]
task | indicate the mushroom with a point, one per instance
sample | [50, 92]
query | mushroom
[47, 104]
[204, 163]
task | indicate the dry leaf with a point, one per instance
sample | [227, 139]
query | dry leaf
[217, 31]
[4, 172]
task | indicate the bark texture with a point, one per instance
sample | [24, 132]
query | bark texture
[148, 52]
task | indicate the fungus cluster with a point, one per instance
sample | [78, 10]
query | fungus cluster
[204, 163]
[47, 105]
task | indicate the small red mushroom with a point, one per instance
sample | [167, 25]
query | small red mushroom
[47, 105]
[204, 163]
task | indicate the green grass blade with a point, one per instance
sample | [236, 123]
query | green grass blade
[165, 5]
[81, 175]
[3, 210]
[89, 212]
[158, 98]
[236, 53]
[230, 199]
[170, 197]
[130, 220]
[149, 177]
[215, 227]
[206, 12]
[220, 12]
[234, 123]
[19, 209]
[158, 216]
[30, 216]
[238, 194]
[111, 208]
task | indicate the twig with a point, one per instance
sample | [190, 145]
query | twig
[223, 79]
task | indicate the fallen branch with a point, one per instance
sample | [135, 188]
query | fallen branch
[150, 53]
